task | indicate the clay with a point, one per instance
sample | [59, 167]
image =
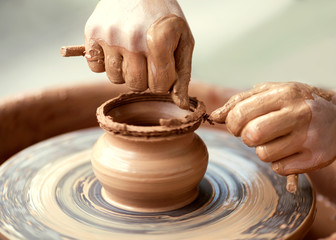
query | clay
[77, 111]
[75, 106]
[150, 159]
[133, 52]
[292, 183]
[288, 123]
[49, 191]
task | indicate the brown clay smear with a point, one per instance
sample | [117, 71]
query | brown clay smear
[188, 122]
[133, 52]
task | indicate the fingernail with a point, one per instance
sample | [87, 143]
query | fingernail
[277, 167]
[216, 115]
[181, 101]
[248, 136]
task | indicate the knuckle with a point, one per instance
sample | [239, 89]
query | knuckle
[237, 114]
[167, 29]
[90, 29]
[135, 37]
[290, 91]
[115, 62]
[94, 53]
[231, 125]
[277, 167]
[237, 97]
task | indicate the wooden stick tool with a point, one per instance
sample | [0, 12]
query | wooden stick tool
[72, 51]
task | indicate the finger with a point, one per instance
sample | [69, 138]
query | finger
[180, 94]
[162, 40]
[280, 148]
[256, 105]
[135, 71]
[113, 65]
[161, 73]
[183, 56]
[220, 114]
[94, 55]
[294, 164]
[268, 127]
[298, 163]
[292, 183]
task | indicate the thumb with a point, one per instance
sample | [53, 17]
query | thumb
[183, 56]
[94, 55]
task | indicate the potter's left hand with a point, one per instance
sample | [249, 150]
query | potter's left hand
[143, 43]
[292, 125]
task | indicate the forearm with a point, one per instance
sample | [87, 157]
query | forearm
[324, 181]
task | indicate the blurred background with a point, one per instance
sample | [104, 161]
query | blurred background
[238, 42]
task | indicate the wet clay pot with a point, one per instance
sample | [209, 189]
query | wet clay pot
[149, 159]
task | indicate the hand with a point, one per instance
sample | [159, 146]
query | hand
[292, 125]
[143, 43]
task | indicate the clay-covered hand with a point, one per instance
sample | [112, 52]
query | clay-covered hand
[292, 125]
[143, 43]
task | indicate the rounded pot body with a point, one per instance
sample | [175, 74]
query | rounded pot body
[149, 159]
[150, 175]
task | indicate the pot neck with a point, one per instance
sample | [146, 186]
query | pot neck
[149, 116]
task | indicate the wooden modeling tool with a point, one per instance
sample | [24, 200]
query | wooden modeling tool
[72, 51]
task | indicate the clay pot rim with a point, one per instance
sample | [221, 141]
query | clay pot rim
[167, 127]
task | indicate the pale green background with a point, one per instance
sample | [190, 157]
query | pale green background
[238, 42]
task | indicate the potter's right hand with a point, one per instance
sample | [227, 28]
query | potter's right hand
[143, 43]
[292, 125]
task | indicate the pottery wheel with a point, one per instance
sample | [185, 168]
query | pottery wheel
[49, 191]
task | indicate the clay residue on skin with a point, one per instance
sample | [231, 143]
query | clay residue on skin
[172, 60]
[133, 52]
[188, 122]
[277, 119]
[125, 15]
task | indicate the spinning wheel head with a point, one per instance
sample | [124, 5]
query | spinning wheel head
[49, 191]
